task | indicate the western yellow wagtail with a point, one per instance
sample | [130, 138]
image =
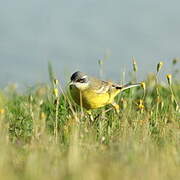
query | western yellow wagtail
[92, 93]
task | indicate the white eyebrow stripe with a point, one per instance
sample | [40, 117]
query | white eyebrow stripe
[85, 76]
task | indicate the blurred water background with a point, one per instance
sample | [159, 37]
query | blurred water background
[74, 35]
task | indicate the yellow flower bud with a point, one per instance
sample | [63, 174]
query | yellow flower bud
[169, 78]
[56, 92]
[2, 111]
[42, 115]
[141, 105]
[143, 85]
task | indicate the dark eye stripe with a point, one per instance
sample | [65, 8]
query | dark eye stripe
[81, 80]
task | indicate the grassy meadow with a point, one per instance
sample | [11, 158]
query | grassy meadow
[44, 135]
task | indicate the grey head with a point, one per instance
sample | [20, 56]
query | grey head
[79, 80]
[79, 77]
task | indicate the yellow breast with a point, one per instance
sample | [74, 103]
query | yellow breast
[90, 99]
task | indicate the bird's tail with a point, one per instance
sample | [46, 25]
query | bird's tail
[128, 86]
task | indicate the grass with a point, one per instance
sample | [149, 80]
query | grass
[44, 135]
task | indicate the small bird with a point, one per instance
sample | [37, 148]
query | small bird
[92, 93]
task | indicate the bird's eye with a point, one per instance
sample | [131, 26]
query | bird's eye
[82, 80]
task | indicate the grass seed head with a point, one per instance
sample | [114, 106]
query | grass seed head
[123, 103]
[56, 82]
[177, 108]
[158, 99]
[30, 98]
[135, 67]
[159, 66]
[175, 61]
[41, 102]
[172, 98]
[161, 104]
[100, 62]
